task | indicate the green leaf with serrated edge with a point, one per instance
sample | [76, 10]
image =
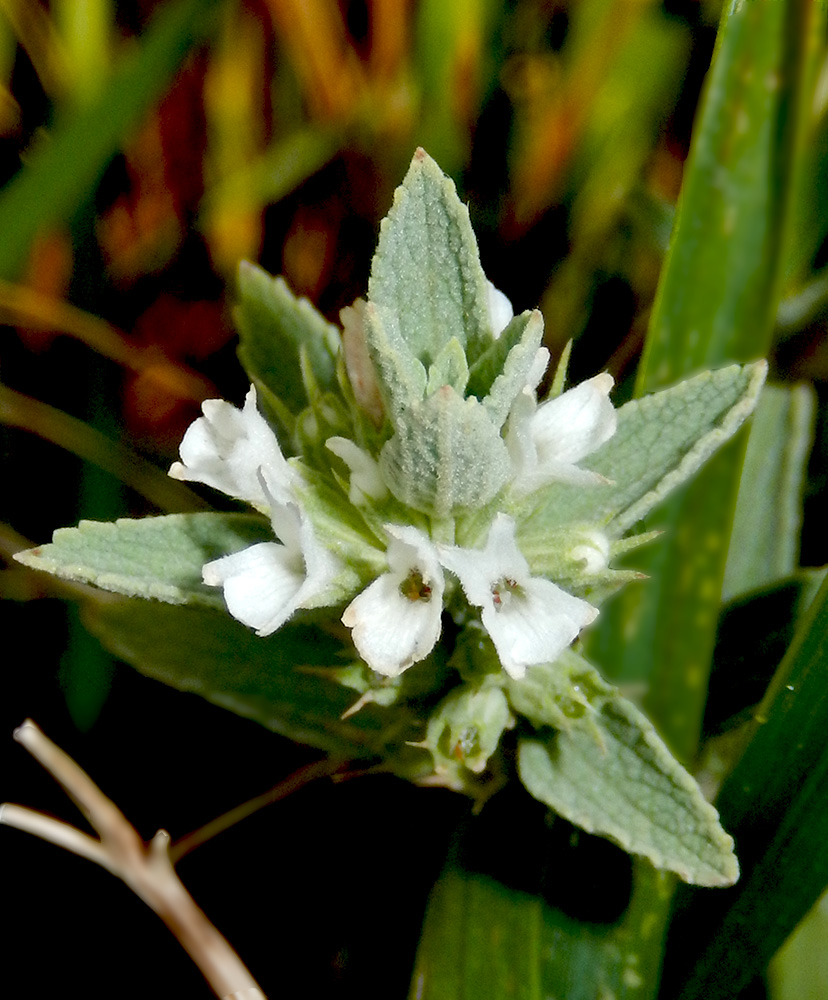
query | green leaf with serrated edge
[401, 378]
[525, 329]
[446, 453]
[426, 282]
[623, 783]
[151, 557]
[776, 803]
[607, 770]
[764, 546]
[660, 442]
[273, 325]
[278, 681]
[514, 373]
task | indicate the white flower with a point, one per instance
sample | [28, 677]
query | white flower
[236, 451]
[529, 619]
[366, 479]
[500, 309]
[395, 621]
[266, 583]
[226, 449]
[546, 442]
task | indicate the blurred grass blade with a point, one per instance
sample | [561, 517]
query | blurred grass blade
[17, 410]
[776, 804]
[764, 547]
[66, 169]
[720, 285]
[799, 971]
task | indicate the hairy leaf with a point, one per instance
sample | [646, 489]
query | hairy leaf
[426, 280]
[273, 326]
[155, 557]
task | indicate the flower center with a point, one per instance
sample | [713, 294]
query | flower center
[415, 588]
[503, 590]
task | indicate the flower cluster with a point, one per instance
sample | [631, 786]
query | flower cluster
[396, 619]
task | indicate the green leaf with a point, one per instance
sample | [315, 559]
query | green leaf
[799, 970]
[273, 326]
[776, 803]
[61, 175]
[718, 293]
[278, 681]
[513, 373]
[479, 939]
[764, 546]
[426, 280]
[608, 771]
[501, 370]
[491, 932]
[153, 557]
[446, 453]
[661, 441]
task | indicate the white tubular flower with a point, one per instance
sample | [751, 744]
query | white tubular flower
[366, 479]
[529, 619]
[227, 447]
[546, 442]
[500, 309]
[266, 583]
[395, 621]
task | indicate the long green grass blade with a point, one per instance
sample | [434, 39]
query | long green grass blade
[776, 804]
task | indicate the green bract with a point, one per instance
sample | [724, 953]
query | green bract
[420, 495]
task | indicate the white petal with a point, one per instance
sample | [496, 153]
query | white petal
[227, 448]
[575, 424]
[530, 619]
[535, 625]
[261, 584]
[479, 569]
[266, 583]
[500, 309]
[366, 478]
[391, 630]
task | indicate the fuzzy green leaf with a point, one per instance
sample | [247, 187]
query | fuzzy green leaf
[661, 441]
[151, 557]
[445, 454]
[633, 791]
[426, 280]
[500, 372]
[273, 326]
[607, 771]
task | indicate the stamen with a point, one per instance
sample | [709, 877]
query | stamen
[415, 588]
[502, 591]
